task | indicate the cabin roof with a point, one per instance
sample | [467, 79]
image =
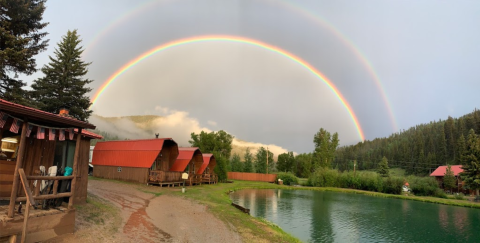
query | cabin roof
[185, 155]
[42, 117]
[206, 161]
[441, 170]
[89, 134]
[130, 153]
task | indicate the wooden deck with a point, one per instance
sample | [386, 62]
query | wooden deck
[209, 178]
[42, 224]
[168, 178]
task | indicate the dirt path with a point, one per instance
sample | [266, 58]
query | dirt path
[149, 218]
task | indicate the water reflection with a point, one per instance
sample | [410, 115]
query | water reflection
[342, 217]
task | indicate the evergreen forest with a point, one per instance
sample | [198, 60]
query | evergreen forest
[419, 150]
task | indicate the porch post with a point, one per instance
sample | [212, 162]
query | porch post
[75, 165]
[19, 164]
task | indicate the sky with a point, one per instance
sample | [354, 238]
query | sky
[394, 63]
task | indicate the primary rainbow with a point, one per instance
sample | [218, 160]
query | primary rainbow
[237, 39]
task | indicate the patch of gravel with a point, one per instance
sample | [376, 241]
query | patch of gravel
[146, 218]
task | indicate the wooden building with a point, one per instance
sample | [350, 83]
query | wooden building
[439, 173]
[207, 169]
[189, 160]
[144, 161]
[29, 139]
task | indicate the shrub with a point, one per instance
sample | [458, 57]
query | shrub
[392, 185]
[440, 193]
[288, 178]
[459, 196]
[424, 186]
[362, 180]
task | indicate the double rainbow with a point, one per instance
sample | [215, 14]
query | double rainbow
[236, 39]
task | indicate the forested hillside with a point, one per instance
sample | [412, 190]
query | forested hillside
[419, 150]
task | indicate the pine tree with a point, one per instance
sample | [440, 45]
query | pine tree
[471, 162]
[248, 164]
[21, 39]
[64, 85]
[450, 138]
[461, 147]
[236, 164]
[261, 161]
[476, 120]
[383, 169]
[449, 179]
[441, 147]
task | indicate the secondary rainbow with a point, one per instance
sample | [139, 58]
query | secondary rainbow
[293, 6]
[197, 39]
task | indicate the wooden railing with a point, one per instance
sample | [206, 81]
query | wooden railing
[209, 178]
[54, 194]
[164, 176]
[194, 179]
[30, 199]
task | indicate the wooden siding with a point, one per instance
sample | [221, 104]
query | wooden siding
[198, 161]
[6, 177]
[37, 152]
[251, 176]
[127, 174]
[167, 156]
[163, 162]
[41, 152]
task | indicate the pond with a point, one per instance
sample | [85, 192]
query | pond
[318, 216]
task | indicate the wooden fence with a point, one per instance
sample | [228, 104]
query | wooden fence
[251, 176]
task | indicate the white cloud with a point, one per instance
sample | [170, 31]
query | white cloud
[174, 124]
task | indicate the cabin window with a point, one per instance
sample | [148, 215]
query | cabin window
[119, 169]
[190, 168]
[64, 154]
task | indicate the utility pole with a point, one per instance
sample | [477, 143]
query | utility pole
[267, 160]
[354, 165]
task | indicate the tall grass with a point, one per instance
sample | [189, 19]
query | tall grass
[371, 181]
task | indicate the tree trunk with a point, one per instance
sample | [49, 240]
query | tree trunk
[478, 194]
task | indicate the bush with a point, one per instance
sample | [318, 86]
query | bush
[363, 180]
[440, 193]
[459, 196]
[392, 185]
[424, 186]
[288, 178]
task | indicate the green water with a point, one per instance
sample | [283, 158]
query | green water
[316, 216]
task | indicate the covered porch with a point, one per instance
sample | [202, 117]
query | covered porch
[35, 206]
[206, 171]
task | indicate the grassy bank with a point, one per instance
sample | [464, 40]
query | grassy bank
[252, 229]
[216, 198]
[255, 229]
